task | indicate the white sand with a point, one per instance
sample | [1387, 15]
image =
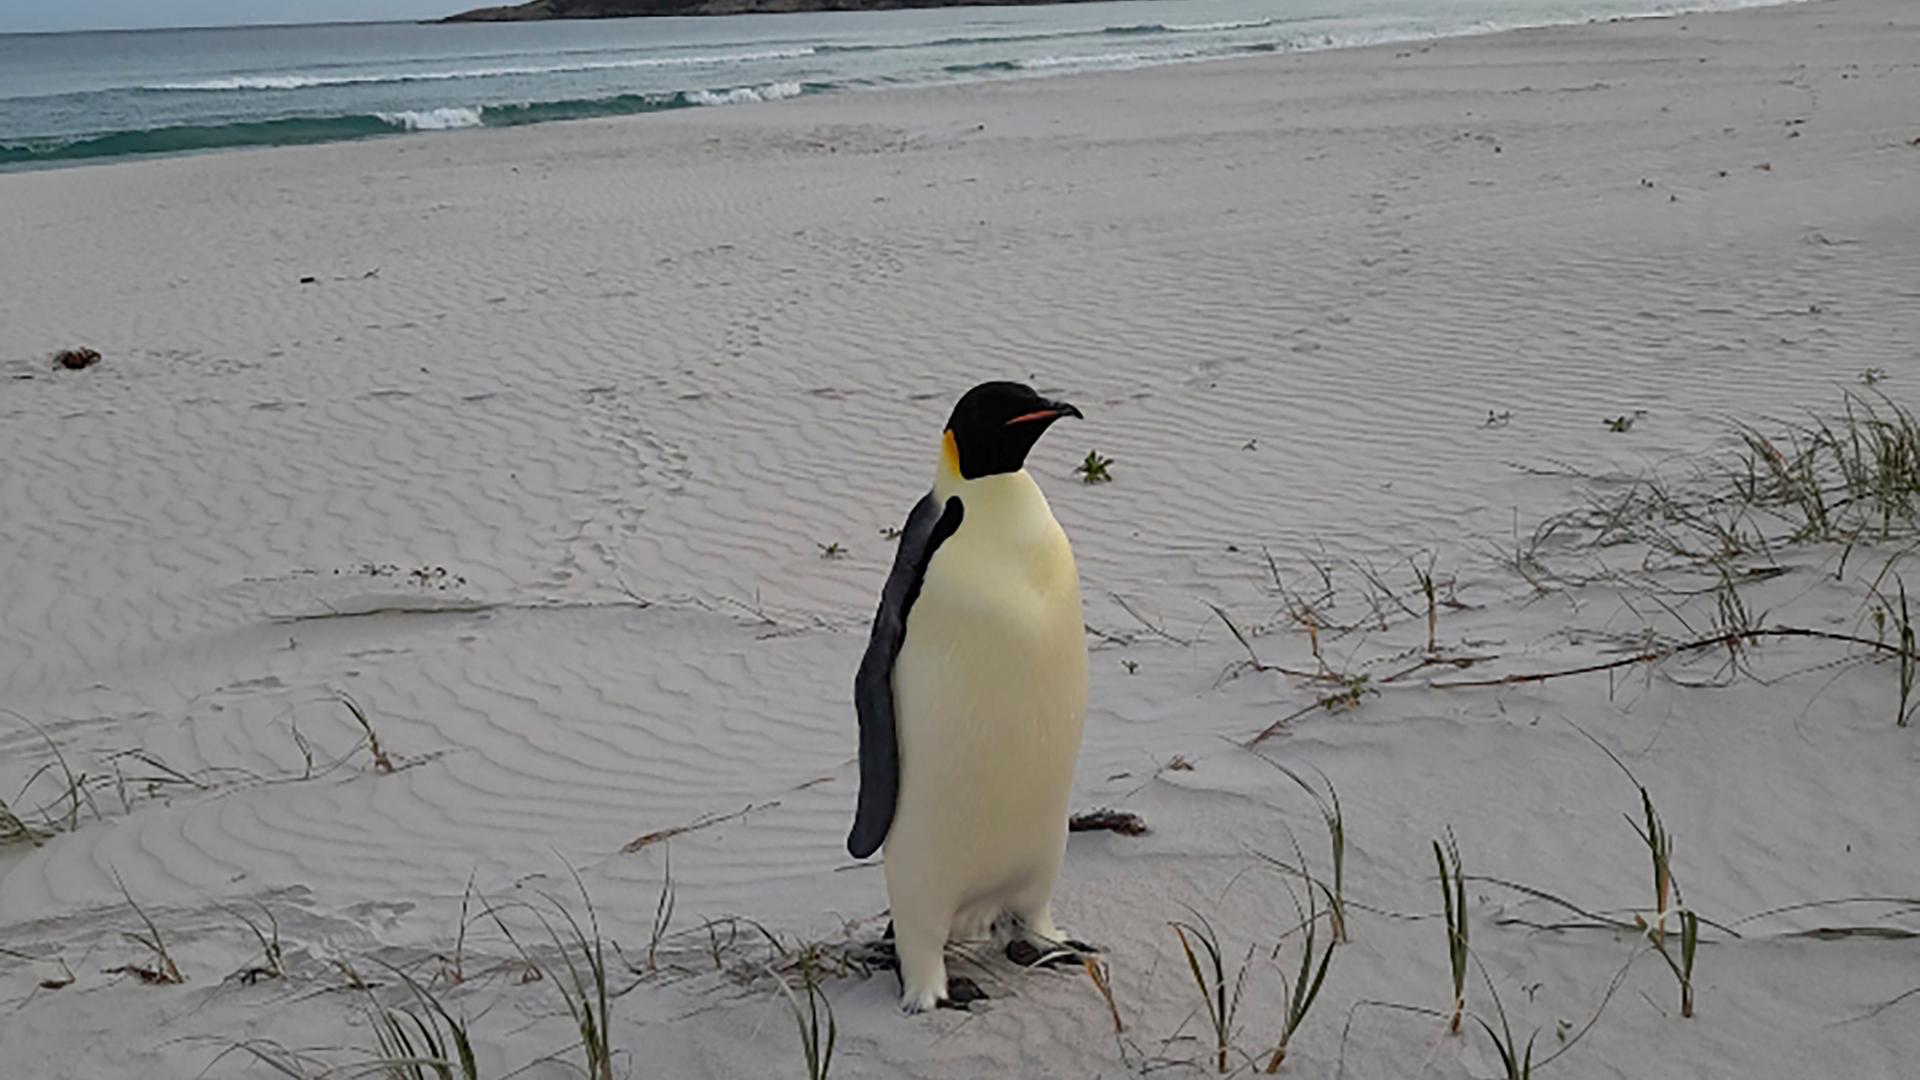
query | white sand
[622, 379]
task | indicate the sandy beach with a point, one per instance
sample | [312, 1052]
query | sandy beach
[568, 454]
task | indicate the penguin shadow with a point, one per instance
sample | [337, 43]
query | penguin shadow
[962, 991]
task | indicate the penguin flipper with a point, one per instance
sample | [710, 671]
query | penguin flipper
[927, 527]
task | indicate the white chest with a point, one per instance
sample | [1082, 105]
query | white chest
[996, 646]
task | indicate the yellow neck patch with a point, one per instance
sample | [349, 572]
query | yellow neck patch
[949, 457]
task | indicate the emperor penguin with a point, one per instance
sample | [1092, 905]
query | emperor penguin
[971, 697]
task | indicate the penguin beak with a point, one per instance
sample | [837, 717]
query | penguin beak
[1052, 411]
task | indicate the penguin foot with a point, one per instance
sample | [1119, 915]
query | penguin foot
[962, 992]
[1027, 954]
[881, 955]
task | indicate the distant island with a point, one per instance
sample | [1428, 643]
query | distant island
[625, 9]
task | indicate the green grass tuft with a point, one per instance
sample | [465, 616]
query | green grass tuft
[1222, 1004]
[1093, 470]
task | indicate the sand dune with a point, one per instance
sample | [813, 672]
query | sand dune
[546, 466]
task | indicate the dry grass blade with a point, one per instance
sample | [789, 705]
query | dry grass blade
[381, 762]
[1102, 977]
[163, 971]
[1453, 891]
[1352, 690]
[658, 835]
[268, 936]
[72, 794]
[15, 831]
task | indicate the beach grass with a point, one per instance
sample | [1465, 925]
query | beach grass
[818, 1030]
[266, 934]
[423, 1043]
[1298, 998]
[580, 956]
[1220, 1000]
[1334, 819]
[161, 970]
[1515, 1059]
[1453, 893]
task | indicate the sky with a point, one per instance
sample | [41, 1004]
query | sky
[24, 15]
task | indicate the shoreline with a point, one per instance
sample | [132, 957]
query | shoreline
[353, 128]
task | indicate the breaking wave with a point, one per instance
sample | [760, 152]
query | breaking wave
[300, 130]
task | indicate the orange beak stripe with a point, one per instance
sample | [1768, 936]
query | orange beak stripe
[1038, 414]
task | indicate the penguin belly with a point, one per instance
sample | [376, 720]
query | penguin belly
[990, 686]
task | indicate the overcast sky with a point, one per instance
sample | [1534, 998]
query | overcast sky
[16, 15]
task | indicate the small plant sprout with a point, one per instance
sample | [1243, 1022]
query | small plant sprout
[1453, 891]
[1428, 590]
[1222, 1004]
[816, 1041]
[381, 762]
[1299, 998]
[832, 551]
[1660, 844]
[162, 971]
[1094, 469]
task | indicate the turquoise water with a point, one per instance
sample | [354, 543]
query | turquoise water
[86, 96]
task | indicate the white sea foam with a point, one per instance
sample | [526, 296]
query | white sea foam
[1107, 60]
[433, 119]
[1212, 27]
[743, 94]
[300, 82]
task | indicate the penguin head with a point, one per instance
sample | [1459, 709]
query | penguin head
[995, 424]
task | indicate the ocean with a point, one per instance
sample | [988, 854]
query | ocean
[67, 98]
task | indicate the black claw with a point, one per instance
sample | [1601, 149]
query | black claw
[962, 992]
[881, 955]
[1027, 954]
[1023, 952]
